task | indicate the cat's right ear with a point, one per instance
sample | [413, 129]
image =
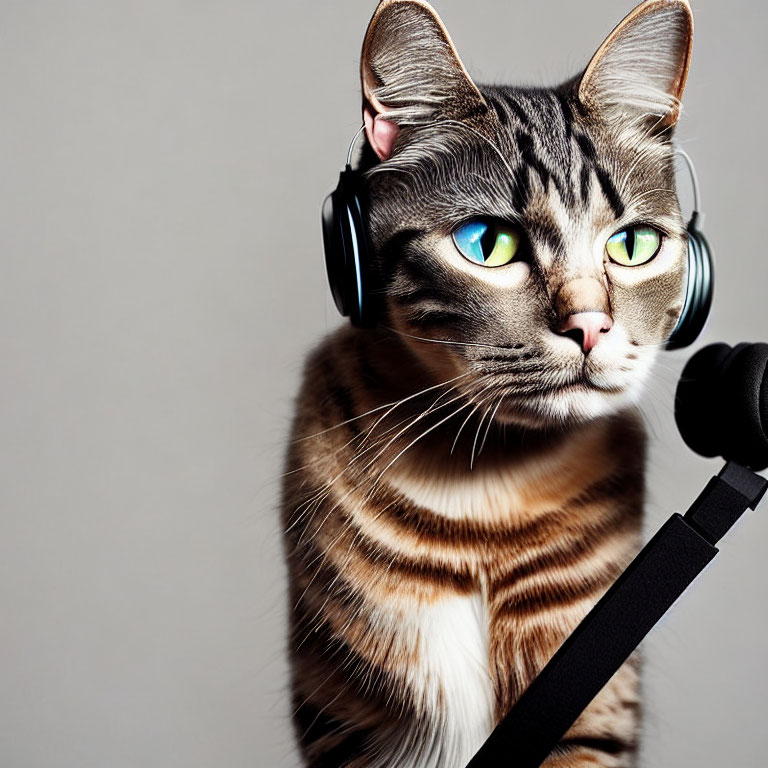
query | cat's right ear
[411, 73]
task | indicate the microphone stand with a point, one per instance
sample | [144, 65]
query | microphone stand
[620, 620]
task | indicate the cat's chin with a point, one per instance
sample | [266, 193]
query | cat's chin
[568, 406]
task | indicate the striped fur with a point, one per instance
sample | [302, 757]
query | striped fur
[463, 482]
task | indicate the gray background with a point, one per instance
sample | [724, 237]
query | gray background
[161, 169]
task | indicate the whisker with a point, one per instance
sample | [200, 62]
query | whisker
[477, 434]
[393, 404]
[449, 343]
[302, 510]
[474, 410]
[364, 469]
[381, 418]
[412, 443]
[324, 554]
[490, 421]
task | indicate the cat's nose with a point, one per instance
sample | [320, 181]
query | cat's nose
[585, 328]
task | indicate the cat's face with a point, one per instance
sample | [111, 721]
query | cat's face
[528, 241]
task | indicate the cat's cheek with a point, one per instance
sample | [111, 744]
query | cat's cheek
[647, 299]
[440, 361]
[649, 309]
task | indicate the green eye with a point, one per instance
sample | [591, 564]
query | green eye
[486, 242]
[633, 246]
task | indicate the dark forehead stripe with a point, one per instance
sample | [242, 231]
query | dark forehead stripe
[544, 133]
[520, 113]
[606, 183]
[610, 191]
[587, 147]
[539, 124]
[507, 108]
[550, 233]
[530, 158]
[499, 109]
[565, 108]
[584, 185]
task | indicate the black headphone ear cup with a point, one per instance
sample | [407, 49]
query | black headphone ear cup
[697, 390]
[333, 244]
[743, 392]
[346, 249]
[698, 296]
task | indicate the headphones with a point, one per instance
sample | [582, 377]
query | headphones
[347, 257]
[700, 282]
[346, 247]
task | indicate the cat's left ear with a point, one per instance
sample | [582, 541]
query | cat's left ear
[411, 73]
[639, 72]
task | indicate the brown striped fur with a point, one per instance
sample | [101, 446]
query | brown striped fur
[463, 482]
[540, 552]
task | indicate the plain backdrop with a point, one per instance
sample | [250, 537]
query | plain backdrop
[162, 165]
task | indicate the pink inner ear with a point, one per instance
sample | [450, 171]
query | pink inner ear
[381, 133]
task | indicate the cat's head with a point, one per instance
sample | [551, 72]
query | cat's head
[535, 231]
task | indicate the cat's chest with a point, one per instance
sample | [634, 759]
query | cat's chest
[498, 564]
[454, 637]
[541, 544]
[499, 496]
[451, 678]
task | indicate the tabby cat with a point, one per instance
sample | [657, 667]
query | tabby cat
[466, 479]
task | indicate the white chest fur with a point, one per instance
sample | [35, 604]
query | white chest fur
[451, 683]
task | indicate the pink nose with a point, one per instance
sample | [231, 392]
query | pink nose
[585, 328]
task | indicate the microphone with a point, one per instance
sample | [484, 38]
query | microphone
[721, 403]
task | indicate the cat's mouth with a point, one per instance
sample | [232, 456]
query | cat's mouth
[575, 400]
[582, 384]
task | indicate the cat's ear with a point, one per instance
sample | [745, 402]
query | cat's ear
[639, 72]
[411, 73]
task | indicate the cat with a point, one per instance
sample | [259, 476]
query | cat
[465, 479]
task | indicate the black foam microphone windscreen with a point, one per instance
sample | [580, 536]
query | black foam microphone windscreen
[721, 404]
